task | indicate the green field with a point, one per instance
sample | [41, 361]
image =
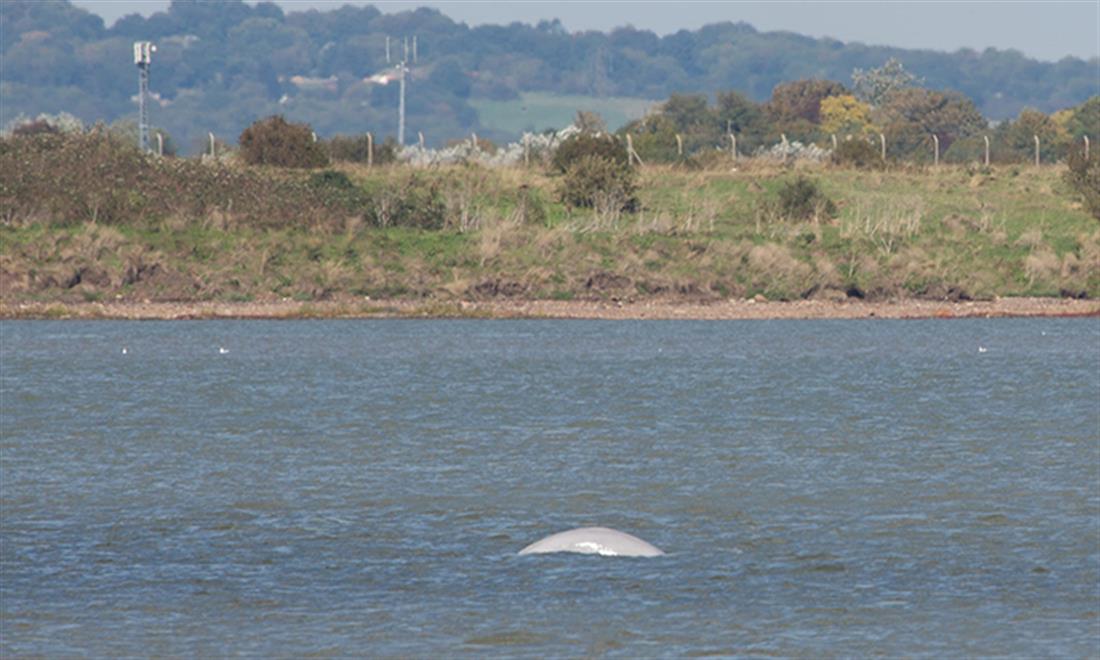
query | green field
[535, 112]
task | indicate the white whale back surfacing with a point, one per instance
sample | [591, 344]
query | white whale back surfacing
[594, 541]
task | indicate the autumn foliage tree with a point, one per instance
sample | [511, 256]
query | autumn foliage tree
[845, 115]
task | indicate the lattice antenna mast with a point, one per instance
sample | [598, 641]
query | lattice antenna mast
[143, 58]
[403, 73]
[404, 70]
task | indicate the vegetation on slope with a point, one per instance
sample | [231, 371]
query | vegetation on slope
[86, 217]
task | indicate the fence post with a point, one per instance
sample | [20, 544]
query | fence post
[834, 141]
[1036, 150]
[679, 146]
[370, 150]
[160, 144]
[733, 146]
[986, 137]
[527, 149]
[630, 153]
[213, 149]
[936, 143]
[882, 140]
[1086, 147]
[314, 135]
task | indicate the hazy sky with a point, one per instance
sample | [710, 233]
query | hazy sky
[1049, 29]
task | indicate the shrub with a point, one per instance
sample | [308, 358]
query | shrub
[594, 181]
[274, 141]
[801, 199]
[1084, 176]
[60, 180]
[408, 202]
[857, 153]
[529, 205]
[334, 189]
[356, 149]
[583, 145]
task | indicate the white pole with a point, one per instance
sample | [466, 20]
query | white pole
[370, 150]
[679, 146]
[401, 109]
[834, 141]
[1086, 147]
[527, 148]
[986, 137]
[882, 140]
[473, 137]
[213, 152]
[160, 144]
[1036, 150]
[936, 142]
[420, 138]
[733, 146]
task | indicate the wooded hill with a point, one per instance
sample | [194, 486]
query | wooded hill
[219, 66]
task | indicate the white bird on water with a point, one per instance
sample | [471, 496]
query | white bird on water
[982, 349]
[223, 350]
[125, 350]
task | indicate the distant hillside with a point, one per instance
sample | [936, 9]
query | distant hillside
[221, 65]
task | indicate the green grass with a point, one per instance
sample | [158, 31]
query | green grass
[537, 111]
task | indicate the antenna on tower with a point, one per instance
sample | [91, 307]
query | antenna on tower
[143, 58]
[387, 50]
[414, 49]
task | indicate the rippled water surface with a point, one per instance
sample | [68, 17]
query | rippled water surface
[362, 487]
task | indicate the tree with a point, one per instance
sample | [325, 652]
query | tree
[912, 115]
[875, 85]
[589, 122]
[740, 116]
[1018, 137]
[801, 99]
[845, 115]
[1085, 120]
[688, 112]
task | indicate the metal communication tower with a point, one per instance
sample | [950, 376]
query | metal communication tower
[403, 72]
[143, 58]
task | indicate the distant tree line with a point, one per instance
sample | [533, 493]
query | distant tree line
[219, 66]
[883, 105]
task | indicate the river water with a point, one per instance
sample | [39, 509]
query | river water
[918, 488]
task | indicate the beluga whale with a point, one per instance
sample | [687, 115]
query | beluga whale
[602, 541]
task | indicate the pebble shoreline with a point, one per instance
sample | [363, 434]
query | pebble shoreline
[654, 309]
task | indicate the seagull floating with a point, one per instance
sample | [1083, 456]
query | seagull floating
[223, 350]
[982, 349]
[125, 350]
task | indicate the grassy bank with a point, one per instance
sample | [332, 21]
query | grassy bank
[951, 233]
